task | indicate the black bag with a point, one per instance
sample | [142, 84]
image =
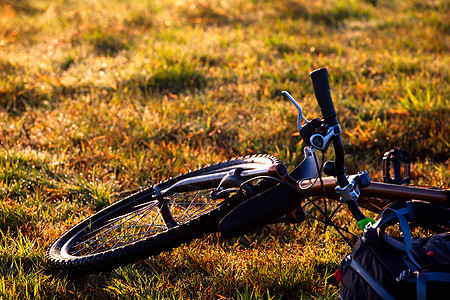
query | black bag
[385, 267]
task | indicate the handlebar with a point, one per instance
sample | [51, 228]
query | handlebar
[322, 92]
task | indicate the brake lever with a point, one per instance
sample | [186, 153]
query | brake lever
[300, 111]
[315, 133]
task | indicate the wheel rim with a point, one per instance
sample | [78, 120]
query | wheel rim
[143, 220]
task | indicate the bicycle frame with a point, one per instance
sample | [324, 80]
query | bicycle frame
[379, 193]
[374, 197]
[210, 179]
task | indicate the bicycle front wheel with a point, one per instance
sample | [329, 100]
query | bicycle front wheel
[148, 222]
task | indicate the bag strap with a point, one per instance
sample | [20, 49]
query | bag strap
[378, 288]
[406, 246]
[419, 211]
[423, 278]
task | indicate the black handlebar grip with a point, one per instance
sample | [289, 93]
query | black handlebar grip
[322, 91]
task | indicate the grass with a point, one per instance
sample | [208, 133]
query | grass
[100, 98]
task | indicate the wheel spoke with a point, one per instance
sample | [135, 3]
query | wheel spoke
[127, 217]
[103, 231]
[194, 204]
[136, 225]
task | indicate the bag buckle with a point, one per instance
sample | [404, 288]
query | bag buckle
[405, 274]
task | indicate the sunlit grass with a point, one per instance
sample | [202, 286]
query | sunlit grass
[100, 98]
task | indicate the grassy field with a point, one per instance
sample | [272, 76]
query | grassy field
[99, 98]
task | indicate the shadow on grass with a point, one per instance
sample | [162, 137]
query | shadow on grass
[16, 96]
[332, 15]
[21, 6]
[329, 15]
[178, 78]
[107, 43]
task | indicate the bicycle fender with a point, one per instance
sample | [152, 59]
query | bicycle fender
[259, 210]
[308, 167]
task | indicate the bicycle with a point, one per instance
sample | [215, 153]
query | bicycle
[235, 197]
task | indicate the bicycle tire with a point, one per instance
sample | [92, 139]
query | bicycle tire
[106, 249]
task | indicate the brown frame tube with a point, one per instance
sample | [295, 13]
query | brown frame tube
[377, 194]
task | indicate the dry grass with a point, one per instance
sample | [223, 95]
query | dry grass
[102, 97]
